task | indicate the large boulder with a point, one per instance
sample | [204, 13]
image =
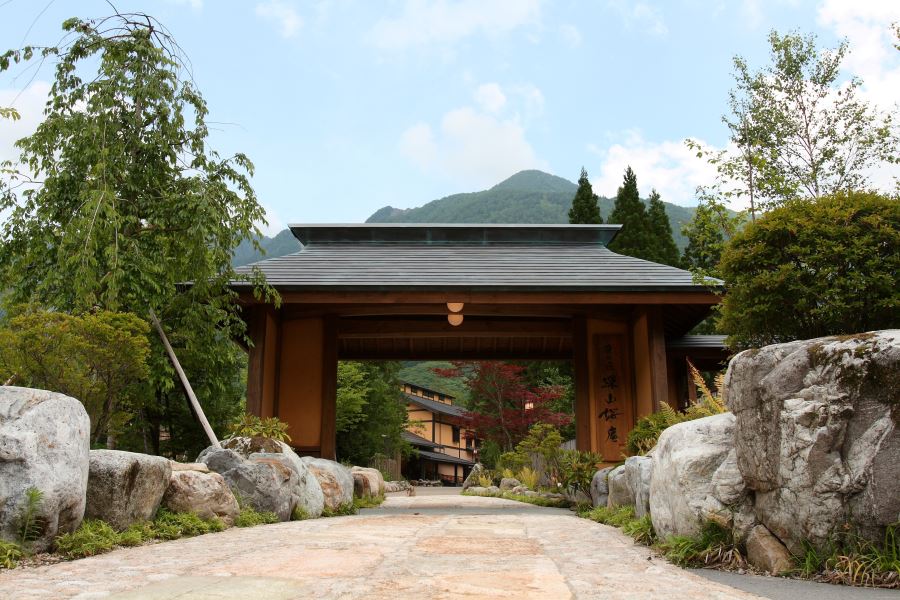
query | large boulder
[264, 482]
[816, 434]
[766, 553]
[45, 445]
[620, 494]
[508, 483]
[307, 492]
[600, 487]
[693, 463]
[202, 492]
[335, 479]
[472, 478]
[374, 478]
[125, 487]
[638, 471]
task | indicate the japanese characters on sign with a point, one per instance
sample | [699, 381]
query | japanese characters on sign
[613, 398]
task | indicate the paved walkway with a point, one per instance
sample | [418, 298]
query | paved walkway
[429, 546]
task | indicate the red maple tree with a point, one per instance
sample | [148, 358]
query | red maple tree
[502, 408]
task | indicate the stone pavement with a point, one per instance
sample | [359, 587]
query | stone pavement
[432, 545]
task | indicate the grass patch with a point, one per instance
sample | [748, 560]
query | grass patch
[250, 517]
[368, 501]
[299, 514]
[344, 510]
[641, 530]
[10, 554]
[537, 500]
[171, 525]
[91, 538]
[855, 561]
[617, 517]
[713, 547]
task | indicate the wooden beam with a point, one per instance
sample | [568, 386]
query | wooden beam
[306, 310]
[581, 363]
[353, 351]
[398, 328]
[328, 444]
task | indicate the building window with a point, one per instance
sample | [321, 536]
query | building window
[455, 434]
[469, 441]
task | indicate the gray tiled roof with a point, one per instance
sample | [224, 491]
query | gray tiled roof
[435, 406]
[551, 261]
[440, 457]
[418, 440]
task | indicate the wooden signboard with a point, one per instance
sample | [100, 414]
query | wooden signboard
[612, 395]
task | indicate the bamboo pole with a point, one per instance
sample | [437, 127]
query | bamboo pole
[198, 410]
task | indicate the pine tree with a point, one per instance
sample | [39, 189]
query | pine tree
[630, 212]
[585, 208]
[664, 249]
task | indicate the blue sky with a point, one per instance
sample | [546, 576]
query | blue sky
[346, 106]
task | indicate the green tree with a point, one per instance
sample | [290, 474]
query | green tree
[585, 205]
[813, 268]
[631, 213]
[132, 204]
[100, 358]
[798, 129]
[660, 233]
[710, 229]
[371, 413]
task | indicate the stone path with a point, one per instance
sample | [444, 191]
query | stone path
[429, 546]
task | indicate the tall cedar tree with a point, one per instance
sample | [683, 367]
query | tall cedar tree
[664, 249]
[585, 205]
[629, 211]
[133, 203]
[502, 408]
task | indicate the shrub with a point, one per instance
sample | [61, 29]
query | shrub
[173, 525]
[576, 469]
[529, 477]
[486, 479]
[299, 514]
[249, 517]
[343, 510]
[137, 534]
[714, 546]
[30, 525]
[92, 537]
[10, 554]
[641, 530]
[616, 517]
[368, 502]
[855, 561]
[253, 426]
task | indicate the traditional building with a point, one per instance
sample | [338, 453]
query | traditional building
[388, 291]
[446, 449]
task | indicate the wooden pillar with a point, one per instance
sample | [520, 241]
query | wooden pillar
[329, 388]
[582, 368]
[262, 367]
[300, 382]
[657, 342]
[649, 345]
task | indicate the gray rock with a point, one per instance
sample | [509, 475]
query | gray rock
[201, 492]
[44, 444]
[600, 488]
[620, 494]
[125, 487]
[638, 470]
[690, 464]
[508, 483]
[362, 487]
[396, 486]
[816, 434]
[307, 492]
[472, 477]
[766, 553]
[373, 476]
[266, 482]
[519, 489]
[493, 490]
[335, 480]
[477, 490]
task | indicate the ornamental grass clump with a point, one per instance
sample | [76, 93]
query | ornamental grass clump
[249, 517]
[855, 561]
[173, 525]
[91, 538]
[10, 554]
[714, 546]
[616, 517]
[344, 510]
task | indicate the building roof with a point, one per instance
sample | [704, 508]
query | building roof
[418, 440]
[427, 389]
[382, 257]
[713, 342]
[445, 458]
[435, 406]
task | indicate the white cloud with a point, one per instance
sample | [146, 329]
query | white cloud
[423, 22]
[640, 15]
[472, 147]
[283, 14]
[490, 97]
[668, 166]
[570, 35]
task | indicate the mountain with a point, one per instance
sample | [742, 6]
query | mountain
[526, 197]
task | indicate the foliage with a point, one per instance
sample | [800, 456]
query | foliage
[370, 411]
[173, 525]
[641, 530]
[137, 534]
[631, 213]
[249, 517]
[557, 375]
[529, 477]
[29, 524]
[253, 426]
[855, 561]
[662, 245]
[368, 502]
[343, 510]
[798, 129]
[485, 479]
[647, 430]
[577, 469]
[708, 232]
[814, 268]
[92, 537]
[299, 514]
[132, 203]
[713, 546]
[10, 554]
[502, 407]
[537, 500]
[585, 209]
[616, 517]
[421, 373]
[99, 357]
